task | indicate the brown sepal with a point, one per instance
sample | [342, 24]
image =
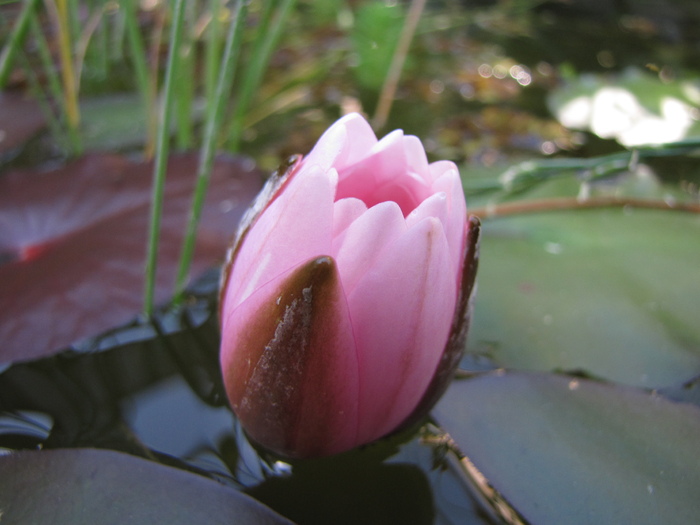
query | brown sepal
[283, 386]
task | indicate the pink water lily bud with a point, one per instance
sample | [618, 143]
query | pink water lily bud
[346, 296]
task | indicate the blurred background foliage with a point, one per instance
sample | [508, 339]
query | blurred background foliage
[482, 82]
[575, 127]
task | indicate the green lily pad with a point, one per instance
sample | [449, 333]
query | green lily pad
[611, 293]
[567, 450]
[76, 486]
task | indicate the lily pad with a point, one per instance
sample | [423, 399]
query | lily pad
[610, 293]
[634, 108]
[568, 450]
[75, 486]
[73, 243]
[20, 119]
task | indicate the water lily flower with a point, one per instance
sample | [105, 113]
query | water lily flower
[346, 296]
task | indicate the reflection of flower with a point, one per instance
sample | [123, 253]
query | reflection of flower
[345, 300]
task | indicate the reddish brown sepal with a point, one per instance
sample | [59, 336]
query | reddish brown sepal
[286, 382]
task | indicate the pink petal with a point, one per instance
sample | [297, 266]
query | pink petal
[384, 175]
[455, 224]
[384, 162]
[401, 312]
[366, 239]
[296, 227]
[416, 158]
[434, 206]
[289, 362]
[335, 148]
[345, 211]
[439, 168]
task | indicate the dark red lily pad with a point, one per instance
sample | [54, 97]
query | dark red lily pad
[73, 243]
[21, 119]
[102, 486]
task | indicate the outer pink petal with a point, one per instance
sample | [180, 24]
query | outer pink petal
[401, 312]
[289, 363]
[366, 239]
[296, 227]
[456, 223]
[346, 142]
[434, 206]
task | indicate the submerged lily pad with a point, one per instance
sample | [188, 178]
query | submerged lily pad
[568, 450]
[610, 293]
[73, 243]
[75, 486]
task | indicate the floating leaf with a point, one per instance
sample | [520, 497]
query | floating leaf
[566, 450]
[74, 486]
[609, 292]
[73, 243]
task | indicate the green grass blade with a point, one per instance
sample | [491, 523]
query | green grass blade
[35, 88]
[69, 99]
[161, 159]
[215, 115]
[15, 42]
[185, 85]
[267, 41]
[54, 83]
[138, 53]
[212, 52]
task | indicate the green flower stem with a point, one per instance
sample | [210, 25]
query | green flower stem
[265, 43]
[15, 42]
[526, 174]
[214, 119]
[161, 159]
[574, 203]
